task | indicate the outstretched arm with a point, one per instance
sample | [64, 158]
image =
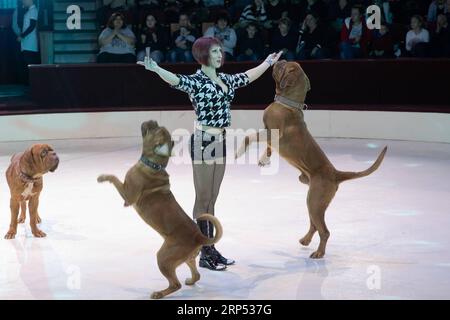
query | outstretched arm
[167, 76]
[257, 71]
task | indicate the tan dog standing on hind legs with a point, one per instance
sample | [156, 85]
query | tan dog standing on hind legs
[24, 177]
[298, 147]
[147, 189]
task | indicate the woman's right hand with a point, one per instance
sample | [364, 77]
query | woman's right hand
[149, 64]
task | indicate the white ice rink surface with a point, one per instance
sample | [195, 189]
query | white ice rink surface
[390, 232]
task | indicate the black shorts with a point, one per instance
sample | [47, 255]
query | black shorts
[208, 147]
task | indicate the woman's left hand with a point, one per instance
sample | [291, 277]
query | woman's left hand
[273, 58]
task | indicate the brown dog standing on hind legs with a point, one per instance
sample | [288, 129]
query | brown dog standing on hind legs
[24, 177]
[147, 189]
[298, 147]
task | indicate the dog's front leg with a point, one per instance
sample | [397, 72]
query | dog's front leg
[119, 186]
[265, 158]
[33, 207]
[14, 205]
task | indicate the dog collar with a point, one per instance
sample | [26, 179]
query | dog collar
[291, 103]
[26, 178]
[151, 164]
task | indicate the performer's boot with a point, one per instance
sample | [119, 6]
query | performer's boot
[218, 258]
[207, 259]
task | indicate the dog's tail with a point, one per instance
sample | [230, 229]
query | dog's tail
[345, 175]
[219, 231]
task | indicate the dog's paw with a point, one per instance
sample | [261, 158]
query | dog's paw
[191, 281]
[317, 254]
[305, 241]
[10, 235]
[263, 162]
[157, 295]
[21, 219]
[103, 178]
[39, 233]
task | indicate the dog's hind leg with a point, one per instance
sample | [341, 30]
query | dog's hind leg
[320, 194]
[168, 260]
[23, 211]
[195, 274]
[306, 240]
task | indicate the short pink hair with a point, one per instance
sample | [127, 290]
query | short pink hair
[201, 47]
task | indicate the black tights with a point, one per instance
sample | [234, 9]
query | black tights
[207, 180]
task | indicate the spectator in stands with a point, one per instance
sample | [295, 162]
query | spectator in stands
[354, 35]
[116, 42]
[275, 11]
[338, 10]
[250, 46]
[436, 8]
[255, 12]
[196, 10]
[448, 10]
[149, 5]
[299, 10]
[181, 41]
[27, 36]
[385, 7]
[109, 6]
[382, 45]
[154, 37]
[417, 38]
[236, 7]
[313, 40]
[172, 9]
[284, 39]
[440, 40]
[224, 33]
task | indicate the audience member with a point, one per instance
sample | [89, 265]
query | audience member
[182, 41]
[222, 31]
[152, 36]
[313, 40]
[436, 8]
[440, 40]
[417, 38]
[255, 12]
[382, 45]
[27, 36]
[250, 46]
[276, 9]
[117, 42]
[354, 35]
[284, 39]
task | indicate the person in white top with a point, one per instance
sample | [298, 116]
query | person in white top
[27, 36]
[417, 38]
[227, 36]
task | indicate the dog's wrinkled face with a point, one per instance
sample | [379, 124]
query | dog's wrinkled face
[290, 74]
[40, 159]
[156, 140]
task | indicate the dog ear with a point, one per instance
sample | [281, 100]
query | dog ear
[27, 161]
[308, 84]
[148, 125]
[287, 80]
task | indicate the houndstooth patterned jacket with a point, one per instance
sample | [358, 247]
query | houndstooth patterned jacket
[210, 102]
